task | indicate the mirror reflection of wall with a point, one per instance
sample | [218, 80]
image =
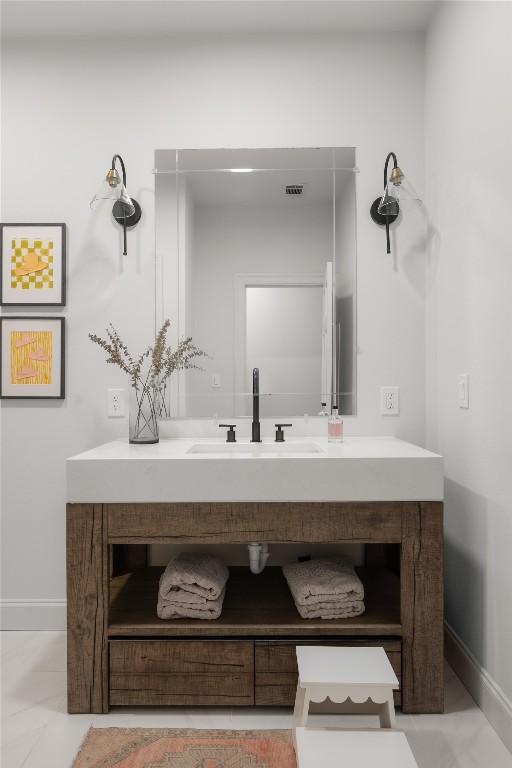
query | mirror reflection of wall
[283, 338]
[256, 252]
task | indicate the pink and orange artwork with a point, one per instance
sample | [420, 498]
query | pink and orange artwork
[31, 357]
[23, 339]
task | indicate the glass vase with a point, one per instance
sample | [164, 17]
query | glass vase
[163, 399]
[143, 414]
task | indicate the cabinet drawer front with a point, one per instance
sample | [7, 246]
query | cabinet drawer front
[191, 656]
[149, 672]
[276, 674]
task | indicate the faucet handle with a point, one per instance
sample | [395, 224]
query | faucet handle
[280, 433]
[231, 436]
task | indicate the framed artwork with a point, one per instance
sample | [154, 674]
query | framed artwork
[33, 264]
[32, 357]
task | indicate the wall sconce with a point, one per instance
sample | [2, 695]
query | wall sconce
[397, 189]
[126, 211]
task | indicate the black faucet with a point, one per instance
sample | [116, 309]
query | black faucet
[256, 438]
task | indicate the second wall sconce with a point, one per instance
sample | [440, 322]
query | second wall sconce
[397, 188]
[126, 211]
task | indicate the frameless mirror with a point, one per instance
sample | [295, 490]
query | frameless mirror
[256, 261]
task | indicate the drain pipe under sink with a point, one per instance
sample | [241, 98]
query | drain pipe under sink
[258, 556]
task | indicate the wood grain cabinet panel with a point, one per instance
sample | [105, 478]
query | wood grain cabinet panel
[206, 523]
[87, 598]
[213, 673]
[421, 590]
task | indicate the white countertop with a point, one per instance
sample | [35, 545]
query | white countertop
[359, 469]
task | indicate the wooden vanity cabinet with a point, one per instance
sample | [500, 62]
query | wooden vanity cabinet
[120, 653]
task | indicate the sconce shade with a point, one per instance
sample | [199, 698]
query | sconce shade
[116, 192]
[398, 191]
[126, 211]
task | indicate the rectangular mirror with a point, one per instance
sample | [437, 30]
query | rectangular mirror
[256, 261]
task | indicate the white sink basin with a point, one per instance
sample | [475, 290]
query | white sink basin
[255, 449]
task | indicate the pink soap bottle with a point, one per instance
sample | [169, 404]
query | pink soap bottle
[335, 427]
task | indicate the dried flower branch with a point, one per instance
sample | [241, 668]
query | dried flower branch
[163, 360]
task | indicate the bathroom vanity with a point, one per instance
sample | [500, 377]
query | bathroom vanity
[380, 492]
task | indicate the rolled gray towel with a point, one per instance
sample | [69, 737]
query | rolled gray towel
[197, 607]
[197, 574]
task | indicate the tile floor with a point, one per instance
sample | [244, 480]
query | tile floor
[38, 733]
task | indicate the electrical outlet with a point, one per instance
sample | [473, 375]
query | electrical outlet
[463, 390]
[116, 403]
[390, 401]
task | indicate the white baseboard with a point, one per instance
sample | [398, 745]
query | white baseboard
[33, 614]
[493, 702]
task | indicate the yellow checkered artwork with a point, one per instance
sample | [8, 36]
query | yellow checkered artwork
[31, 264]
[31, 357]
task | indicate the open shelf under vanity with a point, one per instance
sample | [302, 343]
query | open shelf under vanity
[254, 606]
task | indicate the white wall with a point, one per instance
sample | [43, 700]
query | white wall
[65, 111]
[469, 318]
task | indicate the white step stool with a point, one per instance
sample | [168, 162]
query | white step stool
[324, 748]
[344, 673]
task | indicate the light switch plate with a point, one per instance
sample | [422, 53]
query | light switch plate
[463, 390]
[390, 401]
[116, 403]
[216, 381]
